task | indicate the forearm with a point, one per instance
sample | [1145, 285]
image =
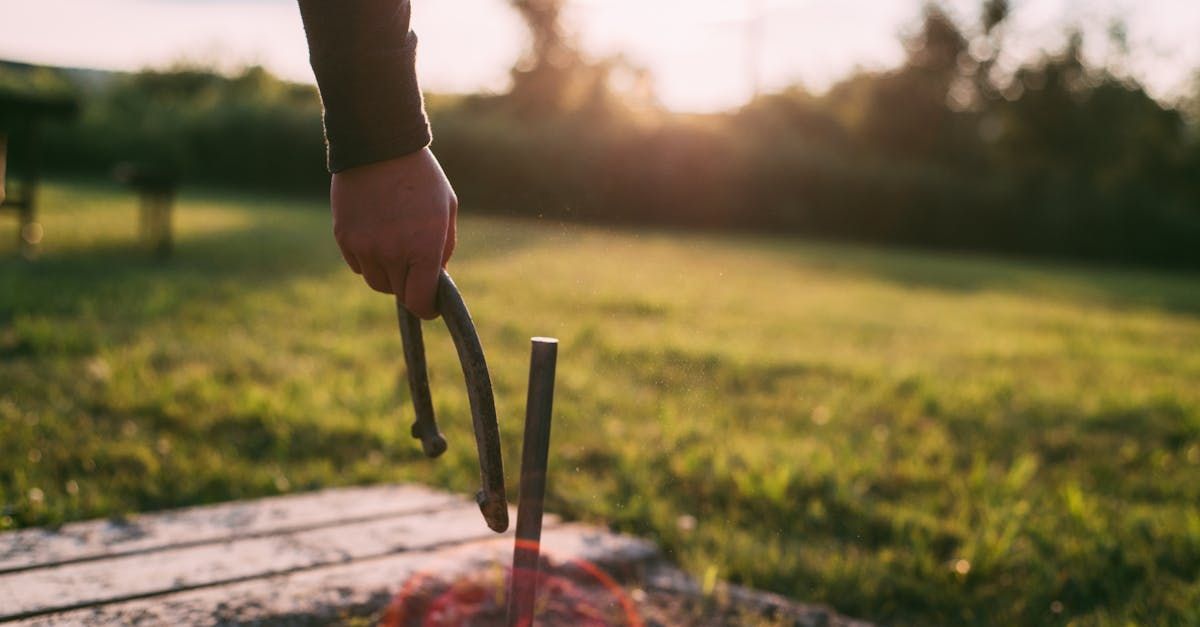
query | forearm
[363, 54]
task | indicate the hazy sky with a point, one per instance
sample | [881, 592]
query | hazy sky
[697, 50]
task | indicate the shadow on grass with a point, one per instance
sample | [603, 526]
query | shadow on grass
[271, 250]
[122, 274]
[1106, 286]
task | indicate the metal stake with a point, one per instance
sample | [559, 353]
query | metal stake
[535, 450]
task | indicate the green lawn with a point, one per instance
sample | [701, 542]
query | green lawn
[910, 437]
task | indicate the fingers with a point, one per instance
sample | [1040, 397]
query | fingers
[420, 289]
[375, 276]
[451, 232]
[397, 277]
[350, 260]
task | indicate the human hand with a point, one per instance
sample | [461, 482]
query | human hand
[394, 222]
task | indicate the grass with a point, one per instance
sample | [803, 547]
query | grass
[910, 437]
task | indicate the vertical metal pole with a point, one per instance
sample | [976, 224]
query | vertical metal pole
[534, 452]
[756, 12]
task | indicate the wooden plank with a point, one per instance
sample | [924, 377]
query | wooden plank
[36, 548]
[179, 568]
[322, 594]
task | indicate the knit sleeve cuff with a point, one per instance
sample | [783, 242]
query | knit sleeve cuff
[373, 106]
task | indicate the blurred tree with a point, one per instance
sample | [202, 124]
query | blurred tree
[542, 77]
[985, 49]
[1191, 104]
[913, 111]
[553, 76]
[994, 13]
[1094, 154]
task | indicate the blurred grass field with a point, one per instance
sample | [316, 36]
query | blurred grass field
[910, 437]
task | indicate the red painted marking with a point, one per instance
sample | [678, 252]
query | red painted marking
[457, 602]
[528, 545]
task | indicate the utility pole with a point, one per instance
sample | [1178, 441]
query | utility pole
[756, 32]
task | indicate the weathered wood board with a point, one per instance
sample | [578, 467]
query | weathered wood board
[204, 525]
[307, 557]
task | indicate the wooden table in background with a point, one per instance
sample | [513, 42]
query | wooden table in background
[21, 117]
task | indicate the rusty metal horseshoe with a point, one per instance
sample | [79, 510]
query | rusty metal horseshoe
[491, 498]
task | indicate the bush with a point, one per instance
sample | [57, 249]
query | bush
[251, 130]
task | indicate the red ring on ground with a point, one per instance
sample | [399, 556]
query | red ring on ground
[456, 602]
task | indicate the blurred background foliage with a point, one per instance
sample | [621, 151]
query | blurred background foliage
[1061, 158]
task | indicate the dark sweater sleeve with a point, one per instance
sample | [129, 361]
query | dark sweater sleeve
[363, 55]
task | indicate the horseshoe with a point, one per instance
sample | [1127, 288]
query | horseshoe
[491, 498]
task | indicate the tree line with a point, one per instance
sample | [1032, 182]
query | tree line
[1059, 158]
